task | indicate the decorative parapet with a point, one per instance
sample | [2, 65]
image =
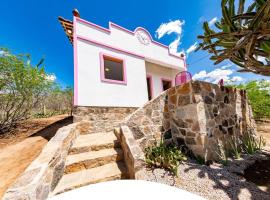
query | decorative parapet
[43, 174]
[133, 155]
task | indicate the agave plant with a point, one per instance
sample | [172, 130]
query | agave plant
[241, 36]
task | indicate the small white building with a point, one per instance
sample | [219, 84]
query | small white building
[116, 67]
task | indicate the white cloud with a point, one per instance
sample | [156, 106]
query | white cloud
[262, 59]
[212, 21]
[201, 19]
[4, 53]
[200, 75]
[176, 27]
[51, 77]
[192, 48]
[216, 75]
[226, 66]
[169, 28]
[237, 79]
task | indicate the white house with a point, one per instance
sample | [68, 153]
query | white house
[118, 67]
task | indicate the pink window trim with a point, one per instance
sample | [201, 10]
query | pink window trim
[151, 85]
[165, 79]
[102, 74]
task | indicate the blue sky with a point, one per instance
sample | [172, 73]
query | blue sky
[31, 26]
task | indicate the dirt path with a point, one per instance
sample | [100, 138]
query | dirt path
[17, 154]
[263, 128]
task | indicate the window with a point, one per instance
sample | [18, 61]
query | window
[112, 69]
[166, 84]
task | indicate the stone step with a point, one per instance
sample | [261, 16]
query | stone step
[94, 142]
[87, 160]
[111, 171]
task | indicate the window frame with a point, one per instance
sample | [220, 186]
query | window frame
[104, 56]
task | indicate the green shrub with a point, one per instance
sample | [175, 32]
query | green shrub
[259, 97]
[234, 144]
[251, 144]
[164, 156]
[222, 152]
[200, 160]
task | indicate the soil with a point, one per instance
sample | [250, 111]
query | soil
[19, 149]
[259, 173]
[263, 129]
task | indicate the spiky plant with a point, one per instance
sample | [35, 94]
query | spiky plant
[241, 36]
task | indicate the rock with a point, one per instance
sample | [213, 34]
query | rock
[183, 100]
[208, 100]
[190, 141]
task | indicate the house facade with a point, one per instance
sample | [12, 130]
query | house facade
[118, 68]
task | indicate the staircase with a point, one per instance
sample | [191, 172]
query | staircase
[93, 158]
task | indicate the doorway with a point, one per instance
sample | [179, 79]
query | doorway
[149, 87]
[166, 84]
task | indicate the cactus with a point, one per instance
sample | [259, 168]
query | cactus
[241, 36]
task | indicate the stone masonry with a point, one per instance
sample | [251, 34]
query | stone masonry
[196, 115]
[101, 118]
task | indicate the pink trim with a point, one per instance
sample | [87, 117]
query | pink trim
[109, 46]
[75, 98]
[151, 85]
[111, 24]
[165, 79]
[102, 75]
[94, 25]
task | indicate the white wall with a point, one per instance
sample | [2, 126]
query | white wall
[127, 41]
[158, 72]
[93, 92]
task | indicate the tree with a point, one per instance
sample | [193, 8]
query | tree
[259, 96]
[21, 88]
[57, 101]
[243, 37]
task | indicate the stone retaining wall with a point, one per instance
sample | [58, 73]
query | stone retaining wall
[101, 118]
[196, 114]
[42, 175]
[133, 154]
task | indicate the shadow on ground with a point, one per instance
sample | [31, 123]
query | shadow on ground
[233, 184]
[49, 131]
[16, 157]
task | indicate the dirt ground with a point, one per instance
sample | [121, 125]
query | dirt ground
[18, 150]
[263, 128]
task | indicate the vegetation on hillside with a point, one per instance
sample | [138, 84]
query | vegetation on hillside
[259, 96]
[26, 90]
[241, 36]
